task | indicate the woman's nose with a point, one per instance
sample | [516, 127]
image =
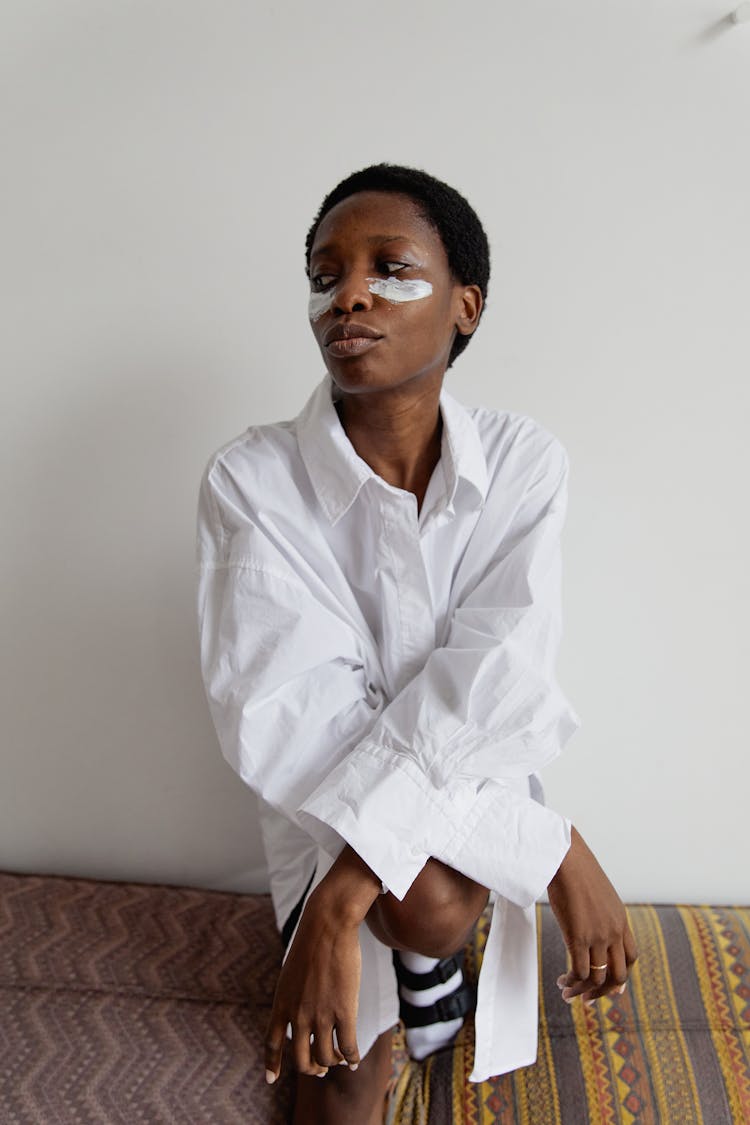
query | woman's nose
[352, 294]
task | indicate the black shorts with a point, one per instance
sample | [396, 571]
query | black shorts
[291, 922]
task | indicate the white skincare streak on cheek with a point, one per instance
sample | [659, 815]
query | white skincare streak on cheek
[396, 290]
[318, 304]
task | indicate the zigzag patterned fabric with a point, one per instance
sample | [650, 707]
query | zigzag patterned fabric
[122, 1003]
[126, 1003]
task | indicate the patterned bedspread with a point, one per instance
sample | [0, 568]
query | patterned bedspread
[126, 1003]
[674, 1049]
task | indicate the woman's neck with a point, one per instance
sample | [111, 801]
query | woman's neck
[397, 433]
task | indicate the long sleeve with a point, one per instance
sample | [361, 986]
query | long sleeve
[442, 772]
[284, 675]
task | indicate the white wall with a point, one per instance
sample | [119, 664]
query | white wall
[162, 162]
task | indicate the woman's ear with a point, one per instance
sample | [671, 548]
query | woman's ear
[470, 308]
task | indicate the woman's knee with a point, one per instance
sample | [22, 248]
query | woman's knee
[436, 915]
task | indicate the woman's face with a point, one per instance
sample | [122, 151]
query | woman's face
[384, 307]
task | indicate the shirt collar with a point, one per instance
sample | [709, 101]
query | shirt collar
[462, 453]
[338, 473]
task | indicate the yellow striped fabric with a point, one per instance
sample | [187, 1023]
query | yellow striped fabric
[674, 1049]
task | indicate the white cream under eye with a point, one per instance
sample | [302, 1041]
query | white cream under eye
[396, 290]
[391, 288]
[319, 303]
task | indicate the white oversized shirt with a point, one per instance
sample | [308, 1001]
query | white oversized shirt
[386, 677]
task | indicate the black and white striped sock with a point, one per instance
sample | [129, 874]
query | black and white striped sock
[434, 999]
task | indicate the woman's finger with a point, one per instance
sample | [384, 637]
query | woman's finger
[274, 1046]
[323, 1049]
[346, 1038]
[631, 952]
[301, 1045]
[578, 977]
[617, 975]
[599, 966]
[579, 962]
[618, 968]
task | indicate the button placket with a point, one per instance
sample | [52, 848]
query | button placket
[417, 624]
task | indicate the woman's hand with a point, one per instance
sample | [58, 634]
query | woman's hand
[318, 987]
[594, 925]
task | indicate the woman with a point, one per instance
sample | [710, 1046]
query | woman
[379, 609]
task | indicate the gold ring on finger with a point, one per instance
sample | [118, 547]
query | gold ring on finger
[597, 968]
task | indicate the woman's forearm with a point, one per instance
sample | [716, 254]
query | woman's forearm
[348, 889]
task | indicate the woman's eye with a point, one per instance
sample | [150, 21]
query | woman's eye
[322, 281]
[394, 267]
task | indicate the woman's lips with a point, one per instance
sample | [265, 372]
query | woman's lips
[354, 346]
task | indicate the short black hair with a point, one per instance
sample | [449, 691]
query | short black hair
[444, 208]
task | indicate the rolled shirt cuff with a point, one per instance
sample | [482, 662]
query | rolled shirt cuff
[383, 805]
[509, 843]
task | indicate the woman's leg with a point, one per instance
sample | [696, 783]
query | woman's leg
[435, 918]
[344, 1097]
[432, 923]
